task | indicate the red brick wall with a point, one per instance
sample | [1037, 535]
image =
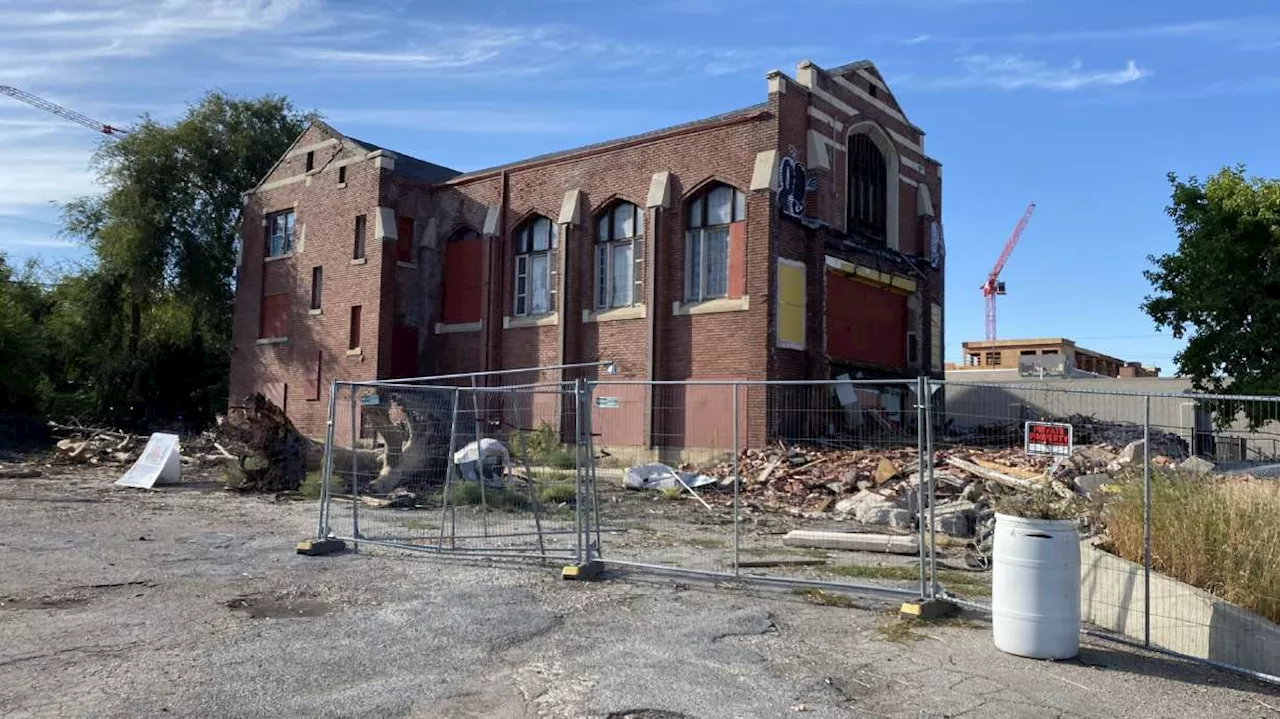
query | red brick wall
[327, 212]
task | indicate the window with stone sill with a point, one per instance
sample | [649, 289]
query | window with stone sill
[280, 233]
[619, 241]
[711, 215]
[533, 244]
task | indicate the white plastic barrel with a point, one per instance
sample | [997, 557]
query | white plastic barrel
[1035, 587]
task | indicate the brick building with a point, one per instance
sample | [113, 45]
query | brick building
[794, 239]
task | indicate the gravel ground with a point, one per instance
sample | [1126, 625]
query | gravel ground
[189, 602]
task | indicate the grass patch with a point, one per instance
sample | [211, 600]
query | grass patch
[558, 494]
[672, 494]
[312, 485]
[962, 583]
[786, 552]
[420, 524]
[543, 448]
[827, 599]
[1219, 535]
[472, 494]
[900, 631]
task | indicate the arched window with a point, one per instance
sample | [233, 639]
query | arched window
[534, 240]
[868, 185]
[619, 240]
[707, 243]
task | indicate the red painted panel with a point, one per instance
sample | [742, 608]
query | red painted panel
[274, 321]
[404, 351]
[462, 281]
[865, 323]
[621, 425]
[737, 259]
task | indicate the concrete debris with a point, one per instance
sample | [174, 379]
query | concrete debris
[1091, 485]
[660, 476]
[1196, 465]
[888, 543]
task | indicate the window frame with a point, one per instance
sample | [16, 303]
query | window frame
[698, 232]
[526, 253]
[608, 241]
[342, 175]
[867, 189]
[290, 219]
[353, 328]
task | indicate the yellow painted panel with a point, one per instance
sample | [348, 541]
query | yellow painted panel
[791, 324]
[791, 284]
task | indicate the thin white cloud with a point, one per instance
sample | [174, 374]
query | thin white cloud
[1013, 72]
[1236, 29]
[917, 40]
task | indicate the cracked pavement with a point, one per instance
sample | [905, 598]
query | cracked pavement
[189, 602]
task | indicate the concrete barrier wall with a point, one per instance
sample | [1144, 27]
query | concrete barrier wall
[1184, 619]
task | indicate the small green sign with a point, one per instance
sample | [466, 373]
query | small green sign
[606, 402]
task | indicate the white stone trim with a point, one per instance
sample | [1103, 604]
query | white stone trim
[355, 352]
[360, 261]
[865, 75]
[384, 224]
[429, 234]
[908, 181]
[820, 147]
[316, 312]
[659, 190]
[764, 176]
[824, 117]
[571, 207]
[281, 182]
[707, 307]
[873, 101]
[299, 151]
[924, 201]
[458, 327]
[632, 312]
[777, 82]
[272, 341]
[550, 320]
[491, 217]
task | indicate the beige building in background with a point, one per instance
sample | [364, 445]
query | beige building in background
[1007, 354]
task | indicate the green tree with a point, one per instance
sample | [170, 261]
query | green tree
[22, 351]
[1221, 288]
[149, 325]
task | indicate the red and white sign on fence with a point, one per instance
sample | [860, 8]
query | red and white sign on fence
[1051, 438]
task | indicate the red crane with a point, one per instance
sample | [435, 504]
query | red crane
[993, 286]
[61, 111]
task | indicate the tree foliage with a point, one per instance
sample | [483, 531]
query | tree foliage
[1221, 288]
[143, 334]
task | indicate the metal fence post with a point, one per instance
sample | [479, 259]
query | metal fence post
[927, 475]
[322, 528]
[737, 483]
[355, 477]
[450, 469]
[475, 416]
[921, 420]
[1146, 521]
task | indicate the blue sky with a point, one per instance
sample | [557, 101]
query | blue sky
[1082, 106]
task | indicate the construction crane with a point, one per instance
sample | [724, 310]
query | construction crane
[993, 286]
[61, 111]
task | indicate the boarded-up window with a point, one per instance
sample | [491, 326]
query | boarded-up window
[274, 320]
[317, 286]
[463, 257]
[404, 239]
[865, 323]
[353, 335]
[791, 304]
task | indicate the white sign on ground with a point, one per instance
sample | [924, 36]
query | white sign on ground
[158, 463]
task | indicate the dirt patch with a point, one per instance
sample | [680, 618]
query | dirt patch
[277, 607]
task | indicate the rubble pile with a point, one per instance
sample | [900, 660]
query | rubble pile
[258, 445]
[880, 487]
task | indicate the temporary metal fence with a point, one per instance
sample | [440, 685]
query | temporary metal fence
[764, 481]
[406, 467]
[1180, 550]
